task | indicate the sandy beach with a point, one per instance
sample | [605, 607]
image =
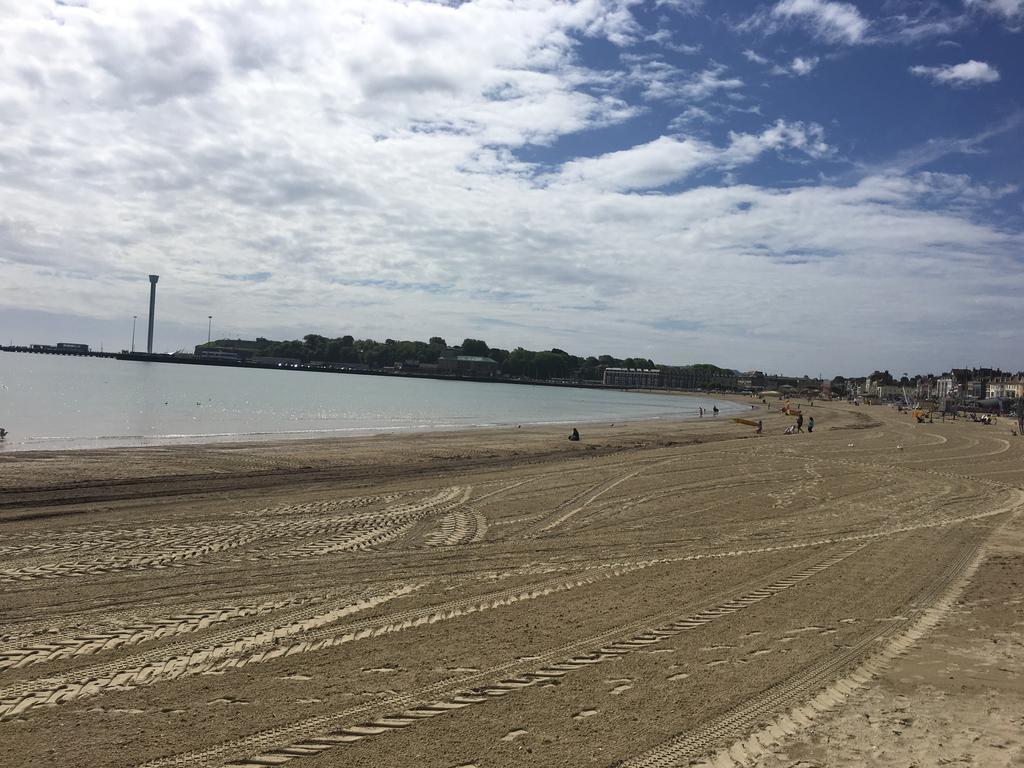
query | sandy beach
[658, 594]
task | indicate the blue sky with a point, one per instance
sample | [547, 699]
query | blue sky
[801, 185]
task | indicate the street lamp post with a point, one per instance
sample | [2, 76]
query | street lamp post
[134, 318]
[209, 327]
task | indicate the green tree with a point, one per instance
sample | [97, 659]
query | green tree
[498, 355]
[476, 347]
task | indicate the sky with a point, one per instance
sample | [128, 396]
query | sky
[800, 186]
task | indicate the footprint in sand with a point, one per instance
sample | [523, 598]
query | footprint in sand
[621, 685]
[513, 735]
[804, 629]
[760, 652]
[679, 676]
[382, 670]
[227, 700]
[584, 714]
[754, 634]
[115, 711]
[308, 701]
[295, 676]
[717, 662]
[386, 693]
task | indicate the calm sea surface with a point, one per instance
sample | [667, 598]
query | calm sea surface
[49, 402]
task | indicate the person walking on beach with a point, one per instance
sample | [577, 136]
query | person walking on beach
[800, 423]
[810, 425]
[715, 410]
[759, 427]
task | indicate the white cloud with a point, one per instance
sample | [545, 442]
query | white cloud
[667, 160]
[682, 6]
[843, 23]
[969, 73]
[660, 80]
[803, 66]
[615, 23]
[1010, 10]
[798, 67]
[691, 50]
[646, 166]
[666, 38]
[831, 21]
[754, 57]
[711, 80]
[690, 115]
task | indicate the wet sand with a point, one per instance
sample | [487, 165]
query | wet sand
[658, 594]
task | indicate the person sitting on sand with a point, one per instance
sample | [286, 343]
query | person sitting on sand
[575, 436]
[714, 410]
[3, 433]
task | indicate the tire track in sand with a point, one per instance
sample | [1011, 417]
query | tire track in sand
[133, 634]
[757, 724]
[170, 663]
[319, 734]
[239, 535]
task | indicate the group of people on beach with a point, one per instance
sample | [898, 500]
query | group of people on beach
[792, 429]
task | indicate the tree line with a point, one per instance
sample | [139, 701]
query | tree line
[546, 364]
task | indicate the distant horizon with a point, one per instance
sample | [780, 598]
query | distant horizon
[897, 374]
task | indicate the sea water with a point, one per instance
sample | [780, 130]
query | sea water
[50, 402]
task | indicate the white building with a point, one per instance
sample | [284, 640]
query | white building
[945, 386]
[1005, 387]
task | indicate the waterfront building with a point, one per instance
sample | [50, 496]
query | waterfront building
[632, 378]
[467, 365]
[1006, 386]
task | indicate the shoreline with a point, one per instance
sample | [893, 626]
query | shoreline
[267, 463]
[351, 433]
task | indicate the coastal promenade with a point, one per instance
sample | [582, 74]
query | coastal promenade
[658, 594]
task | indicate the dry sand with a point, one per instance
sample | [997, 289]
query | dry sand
[656, 595]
